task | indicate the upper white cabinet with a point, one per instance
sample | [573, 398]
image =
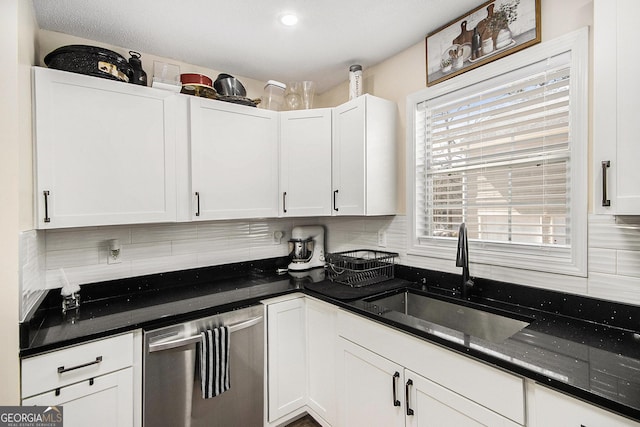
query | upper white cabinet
[364, 157]
[305, 162]
[616, 127]
[234, 160]
[110, 153]
[104, 151]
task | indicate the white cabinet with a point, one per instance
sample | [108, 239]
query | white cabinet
[321, 351]
[369, 388]
[615, 103]
[553, 409]
[104, 151]
[105, 401]
[234, 160]
[95, 382]
[301, 350]
[305, 162]
[286, 355]
[443, 383]
[375, 391]
[364, 157]
[429, 404]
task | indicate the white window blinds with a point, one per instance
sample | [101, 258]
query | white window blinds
[496, 155]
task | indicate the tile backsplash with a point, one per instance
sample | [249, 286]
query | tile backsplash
[614, 252]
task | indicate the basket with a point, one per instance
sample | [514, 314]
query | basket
[360, 267]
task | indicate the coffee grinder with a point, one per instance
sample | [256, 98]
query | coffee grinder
[306, 247]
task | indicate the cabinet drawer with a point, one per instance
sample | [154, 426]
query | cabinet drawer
[107, 401]
[73, 364]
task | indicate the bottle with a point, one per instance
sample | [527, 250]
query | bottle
[476, 44]
[355, 81]
[139, 75]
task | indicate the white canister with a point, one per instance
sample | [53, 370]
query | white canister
[355, 81]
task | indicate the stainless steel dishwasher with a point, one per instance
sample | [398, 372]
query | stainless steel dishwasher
[172, 395]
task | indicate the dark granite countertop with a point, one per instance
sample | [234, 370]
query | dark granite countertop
[585, 347]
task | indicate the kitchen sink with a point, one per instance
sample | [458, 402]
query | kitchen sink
[470, 321]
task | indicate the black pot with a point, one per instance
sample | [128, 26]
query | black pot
[90, 60]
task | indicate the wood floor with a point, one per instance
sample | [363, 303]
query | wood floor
[306, 421]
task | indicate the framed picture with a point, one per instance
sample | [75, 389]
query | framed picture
[491, 31]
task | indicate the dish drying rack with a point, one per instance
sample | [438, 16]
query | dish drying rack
[361, 267]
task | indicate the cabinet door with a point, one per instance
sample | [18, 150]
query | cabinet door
[305, 162]
[234, 160]
[370, 388]
[286, 351]
[349, 169]
[430, 404]
[553, 409]
[364, 157]
[104, 401]
[104, 150]
[616, 127]
[321, 350]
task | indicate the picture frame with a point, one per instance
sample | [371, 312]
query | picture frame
[491, 31]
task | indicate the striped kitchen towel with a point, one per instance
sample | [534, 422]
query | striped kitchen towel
[214, 362]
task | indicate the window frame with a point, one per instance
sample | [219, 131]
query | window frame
[529, 257]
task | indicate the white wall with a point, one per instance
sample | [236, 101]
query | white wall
[405, 73]
[50, 40]
[17, 44]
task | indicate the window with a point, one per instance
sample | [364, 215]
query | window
[505, 152]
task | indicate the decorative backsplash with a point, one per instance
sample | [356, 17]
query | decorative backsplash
[614, 252]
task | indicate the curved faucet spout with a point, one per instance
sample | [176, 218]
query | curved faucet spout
[462, 259]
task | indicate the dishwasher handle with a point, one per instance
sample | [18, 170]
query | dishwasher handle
[181, 342]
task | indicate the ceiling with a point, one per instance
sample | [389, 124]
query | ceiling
[246, 38]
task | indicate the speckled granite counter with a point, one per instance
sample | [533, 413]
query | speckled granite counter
[587, 348]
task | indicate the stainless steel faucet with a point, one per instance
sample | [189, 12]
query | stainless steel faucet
[462, 259]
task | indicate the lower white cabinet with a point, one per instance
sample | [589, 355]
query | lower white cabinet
[105, 401]
[286, 355]
[300, 359]
[375, 391]
[97, 383]
[553, 409]
[368, 388]
[435, 383]
[321, 345]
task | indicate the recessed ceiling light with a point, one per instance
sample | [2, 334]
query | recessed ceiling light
[289, 19]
